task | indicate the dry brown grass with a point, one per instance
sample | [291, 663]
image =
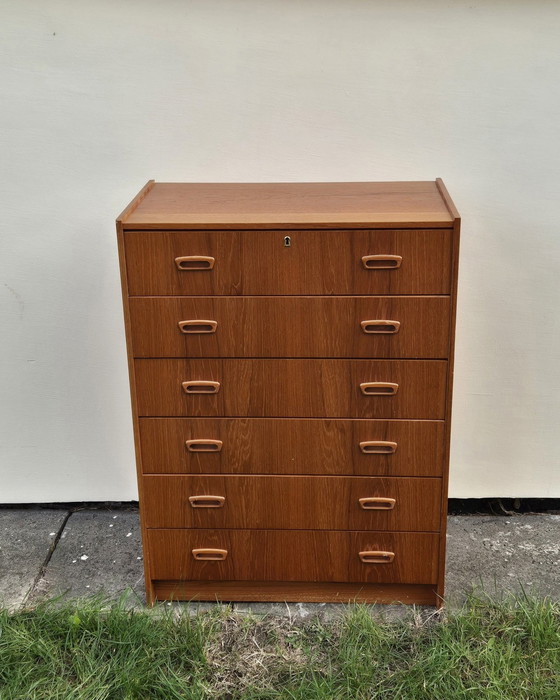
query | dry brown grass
[87, 651]
[249, 652]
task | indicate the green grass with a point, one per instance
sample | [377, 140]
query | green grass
[88, 651]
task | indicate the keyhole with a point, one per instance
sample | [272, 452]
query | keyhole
[287, 241]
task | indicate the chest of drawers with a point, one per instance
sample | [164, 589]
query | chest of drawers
[290, 352]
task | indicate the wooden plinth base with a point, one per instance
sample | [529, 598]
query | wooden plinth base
[292, 592]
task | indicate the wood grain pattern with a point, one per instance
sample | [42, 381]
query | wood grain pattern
[289, 592]
[289, 327]
[317, 262]
[450, 205]
[299, 388]
[289, 422]
[298, 592]
[454, 266]
[292, 502]
[130, 360]
[278, 205]
[293, 555]
[291, 446]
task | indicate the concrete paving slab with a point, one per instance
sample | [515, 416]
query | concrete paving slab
[324, 611]
[498, 555]
[300, 611]
[99, 551]
[27, 536]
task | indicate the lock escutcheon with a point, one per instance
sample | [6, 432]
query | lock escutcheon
[287, 241]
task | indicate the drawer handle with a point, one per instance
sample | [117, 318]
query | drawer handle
[378, 447]
[375, 503]
[194, 262]
[378, 388]
[201, 387]
[209, 554]
[381, 262]
[207, 501]
[204, 445]
[376, 557]
[386, 327]
[197, 326]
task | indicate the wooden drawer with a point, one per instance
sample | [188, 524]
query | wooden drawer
[290, 555]
[316, 262]
[291, 446]
[290, 347]
[298, 388]
[411, 326]
[292, 502]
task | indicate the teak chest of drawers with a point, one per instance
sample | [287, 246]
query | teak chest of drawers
[291, 358]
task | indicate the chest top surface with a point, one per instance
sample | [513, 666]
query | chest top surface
[290, 205]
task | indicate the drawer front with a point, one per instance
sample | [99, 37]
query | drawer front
[315, 262]
[292, 502]
[291, 446]
[290, 555]
[391, 327]
[298, 388]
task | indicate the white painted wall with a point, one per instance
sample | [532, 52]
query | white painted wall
[98, 97]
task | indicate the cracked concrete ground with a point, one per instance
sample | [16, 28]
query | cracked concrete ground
[48, 553]
[27, 539]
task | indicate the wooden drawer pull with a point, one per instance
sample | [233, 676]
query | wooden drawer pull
[207, 501]
[209, 554]
[378, 388]
[201, 387]
[375, 503]
[194, 262]
[376, 557]
[204, 445]
[386, 327]
[381, 262]
[378, 447]
[197, 326]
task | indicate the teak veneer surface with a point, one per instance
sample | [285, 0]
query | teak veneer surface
[290, 592]
[294, 387]
[294, 555]
[292, 502]
[291, 446]
[291, 327]
[316, 262]
[290, 443]
[278, 205]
